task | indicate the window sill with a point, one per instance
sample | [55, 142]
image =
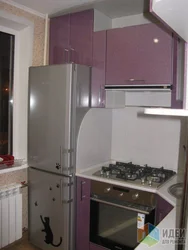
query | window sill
[13, 169]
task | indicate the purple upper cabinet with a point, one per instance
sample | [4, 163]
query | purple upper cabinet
[81, 37]
[142, 53]
[83, 214]
[59, 39]
[98, 69]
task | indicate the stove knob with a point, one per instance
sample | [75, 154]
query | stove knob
[143, 181]
[107, 174]
[150, 183]
[107, 190]
[102, 172]
[135, 196]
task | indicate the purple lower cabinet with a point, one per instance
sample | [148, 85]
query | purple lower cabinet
[98, 70]
[163, 208]
[96, 247]
[83, 214]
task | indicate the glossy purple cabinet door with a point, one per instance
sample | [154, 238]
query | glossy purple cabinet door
[142, 53]
[59, 39]
[96, 247]
[98, 69]
[83, 214]
[178, 75]
[163, 208]
[81, 37]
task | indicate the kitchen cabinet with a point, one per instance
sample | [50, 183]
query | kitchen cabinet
[163, 208]
[71, 38]
[81, 37]
[178, 74]
[83, 214]
[96, 247]
[139, 54]
[98, 69]
[59, 39]
[173, 13]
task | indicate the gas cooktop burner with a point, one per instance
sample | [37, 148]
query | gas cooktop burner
[143, 175]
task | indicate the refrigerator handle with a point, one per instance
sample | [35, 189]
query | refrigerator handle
[66, 153]
[68, 187]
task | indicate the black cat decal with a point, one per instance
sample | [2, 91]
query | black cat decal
[49, 238]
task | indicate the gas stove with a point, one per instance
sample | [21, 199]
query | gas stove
[140, 175]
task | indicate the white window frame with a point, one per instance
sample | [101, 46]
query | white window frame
[22, 29]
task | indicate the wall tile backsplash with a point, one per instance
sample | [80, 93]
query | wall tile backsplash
[145, 140]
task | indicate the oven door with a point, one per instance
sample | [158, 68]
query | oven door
[115, 226]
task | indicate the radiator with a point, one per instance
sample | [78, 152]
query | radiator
[10, 214]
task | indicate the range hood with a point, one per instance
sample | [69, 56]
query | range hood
[118, 96]
[146, 87]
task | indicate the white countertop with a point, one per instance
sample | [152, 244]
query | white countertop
[162, 190]
[166, 112]
[168, 222]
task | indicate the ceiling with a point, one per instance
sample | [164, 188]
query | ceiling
[52, 6]
[111, 8]
[119, 8]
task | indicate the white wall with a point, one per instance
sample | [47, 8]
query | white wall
[128, 135]
[121, 22]
[101, 21]
[94, 138]
[145, 140]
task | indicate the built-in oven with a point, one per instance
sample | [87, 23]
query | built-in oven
[118, 215]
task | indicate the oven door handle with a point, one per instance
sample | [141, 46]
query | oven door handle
[121, 206]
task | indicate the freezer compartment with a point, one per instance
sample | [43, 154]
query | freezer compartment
[50, 201]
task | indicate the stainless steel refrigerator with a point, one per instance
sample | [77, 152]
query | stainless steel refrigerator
[58, 100]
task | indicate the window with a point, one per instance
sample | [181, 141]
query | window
[6, 92]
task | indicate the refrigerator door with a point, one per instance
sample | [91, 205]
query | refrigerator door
[50, 90]
[49, 210]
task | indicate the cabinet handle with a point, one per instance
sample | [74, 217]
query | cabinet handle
[131, 80]
[72, 51]
[101, 90]
[66, 55]
[82, 196]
